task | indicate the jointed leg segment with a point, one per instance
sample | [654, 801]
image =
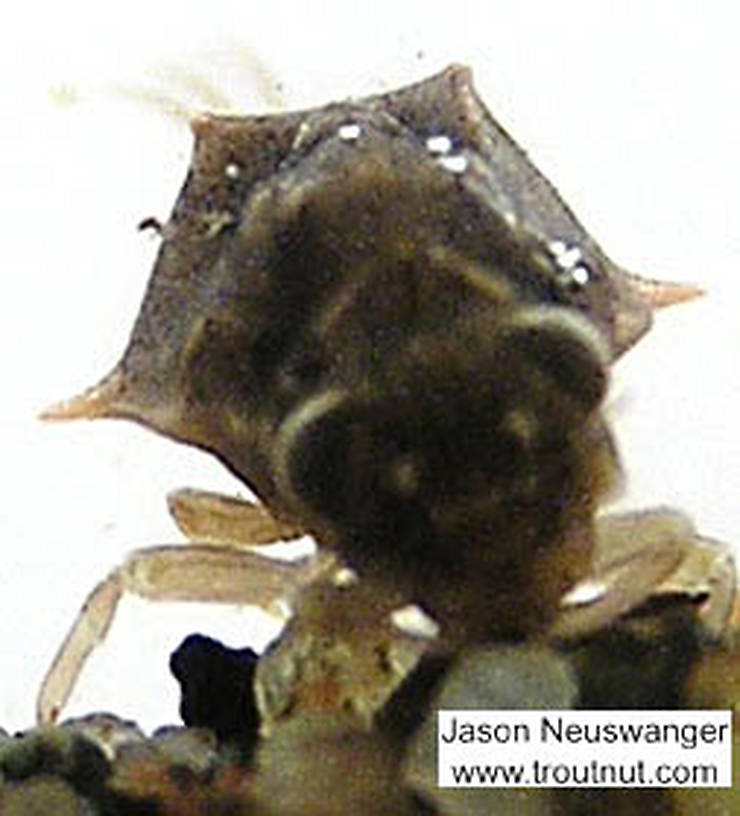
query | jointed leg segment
[221, 570]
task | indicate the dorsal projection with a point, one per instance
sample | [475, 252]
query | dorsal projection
[387, 217]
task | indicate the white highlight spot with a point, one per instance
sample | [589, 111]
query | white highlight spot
[349, 132]
[585, 592]
[344, 577]
[566, 257]
[439, 144]
[232, 170]
[581, 275]
[455, 164]
[557, 248]
[415, 622]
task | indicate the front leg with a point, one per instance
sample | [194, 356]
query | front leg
[644, 555]
[196, 573]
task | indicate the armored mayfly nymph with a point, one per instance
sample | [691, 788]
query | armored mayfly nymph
[384, 320]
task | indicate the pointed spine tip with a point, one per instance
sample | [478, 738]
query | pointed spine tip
[83, 406]
[659, 294]
[97, 402]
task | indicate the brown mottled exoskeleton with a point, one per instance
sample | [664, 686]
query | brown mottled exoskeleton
[383, 319]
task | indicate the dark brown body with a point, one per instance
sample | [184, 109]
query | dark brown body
[383, 319]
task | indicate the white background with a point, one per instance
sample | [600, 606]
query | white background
[630, 109]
